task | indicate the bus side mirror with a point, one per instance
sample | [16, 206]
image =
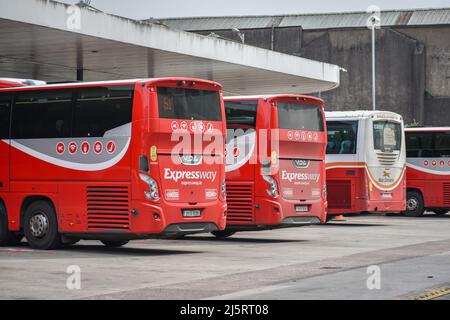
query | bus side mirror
[143, 164]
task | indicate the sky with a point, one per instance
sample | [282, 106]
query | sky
[144, 9]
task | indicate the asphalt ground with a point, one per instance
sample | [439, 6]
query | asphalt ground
[363, 257]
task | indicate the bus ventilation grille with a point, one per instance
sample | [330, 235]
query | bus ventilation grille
[446, 195]
[387, 159]
[240, 203]
[339, 194]
[108, 207]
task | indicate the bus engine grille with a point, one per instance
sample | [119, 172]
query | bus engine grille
[108, 207]
[240, 203]
[387, 159]
[446, 195]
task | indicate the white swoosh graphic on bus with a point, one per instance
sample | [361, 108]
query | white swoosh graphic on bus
[239, 142]
[441, 173]
[67, 164]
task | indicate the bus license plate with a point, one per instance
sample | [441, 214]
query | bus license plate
[192, 213]
[386, 195]
[301, 208]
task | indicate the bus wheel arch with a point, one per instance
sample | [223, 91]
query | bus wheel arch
[415, 205]
[39, 223]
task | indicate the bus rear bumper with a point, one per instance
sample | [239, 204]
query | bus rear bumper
[284, 212]
[168, 220]
[181, 229]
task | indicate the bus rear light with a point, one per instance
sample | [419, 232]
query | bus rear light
[153, 194]
[273, 191]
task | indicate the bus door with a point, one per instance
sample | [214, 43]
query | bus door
[301, 155]
[5, 112]
[190, 123]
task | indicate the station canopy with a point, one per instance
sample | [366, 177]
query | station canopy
[55, 42]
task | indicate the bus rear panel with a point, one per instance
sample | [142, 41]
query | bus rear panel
[365, 163]
[275, 162]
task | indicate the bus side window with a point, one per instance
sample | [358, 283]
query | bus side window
[342, 137]
[42, 114]
[102, 109]
[442, 144]
[5, 110]
[241, 114]
[419, 145]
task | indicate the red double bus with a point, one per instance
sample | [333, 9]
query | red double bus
[96, 161]
[428, 170]
[275, 162]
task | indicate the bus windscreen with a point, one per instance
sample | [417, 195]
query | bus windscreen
[299, 117]
[189, 104]
[387, 135]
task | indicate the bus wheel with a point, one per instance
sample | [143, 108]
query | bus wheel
[114, 244]
[414, 204]
[223, 234]
[440, 212]
[41, 226]
[7, 238]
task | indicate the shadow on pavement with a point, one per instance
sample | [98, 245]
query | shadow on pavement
[126, 251]
[240, 240]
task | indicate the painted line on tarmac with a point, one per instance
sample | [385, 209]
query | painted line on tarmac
[428, 294]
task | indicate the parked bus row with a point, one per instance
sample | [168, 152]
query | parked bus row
[135, 159]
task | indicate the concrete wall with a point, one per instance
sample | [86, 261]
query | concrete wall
[413, 66]
[399, 63]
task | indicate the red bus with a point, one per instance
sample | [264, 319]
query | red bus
[95, 161]
[365, 163]
[428, 170]
[275, 162]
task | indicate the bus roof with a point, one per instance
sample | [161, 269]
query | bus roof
[427, 129]
[361, 114]
[104, 83]
[272, 97]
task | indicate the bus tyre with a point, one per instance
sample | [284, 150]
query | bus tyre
[223, 234]
[414, 204]
[41, 226]
[440, 212]
[7, 238]
[114, 244]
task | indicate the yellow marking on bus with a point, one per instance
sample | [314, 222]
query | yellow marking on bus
[434, 293]
[274, 157]
[153, 153]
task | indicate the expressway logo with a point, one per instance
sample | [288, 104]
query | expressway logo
[294, 176]
[176, 175]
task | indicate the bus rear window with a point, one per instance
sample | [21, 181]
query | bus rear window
[300, 117]
[387, 136]
[189, 104]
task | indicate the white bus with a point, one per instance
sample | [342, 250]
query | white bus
[365, 162]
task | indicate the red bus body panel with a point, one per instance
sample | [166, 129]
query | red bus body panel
[349, 191]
